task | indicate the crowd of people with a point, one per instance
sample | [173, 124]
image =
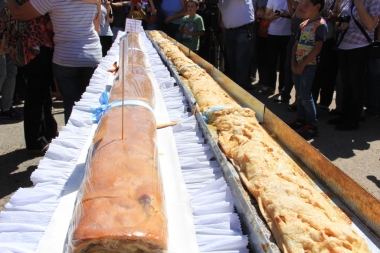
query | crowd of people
[318, 46]
[313, 44]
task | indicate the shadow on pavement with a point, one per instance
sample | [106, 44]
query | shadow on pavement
[331, 143]
[10, 179]
[374, 180]
[11, 121]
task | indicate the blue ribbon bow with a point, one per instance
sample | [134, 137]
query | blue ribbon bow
[99, 111]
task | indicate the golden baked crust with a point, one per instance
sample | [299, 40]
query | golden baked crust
[206, 91]
[122, 207]
[299, 216]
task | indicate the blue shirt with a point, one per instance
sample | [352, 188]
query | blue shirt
[236, 13]
[171, 8]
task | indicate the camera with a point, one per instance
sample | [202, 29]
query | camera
[277, 12]
[344, 18]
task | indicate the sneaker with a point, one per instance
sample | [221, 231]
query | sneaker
[281, 99]
[269, 91]
[12, 114]
[308, 131]
[296, 123]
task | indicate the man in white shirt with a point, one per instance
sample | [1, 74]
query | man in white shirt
[238, 17]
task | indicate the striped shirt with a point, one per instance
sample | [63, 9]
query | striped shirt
[354, 36]
[76, 42]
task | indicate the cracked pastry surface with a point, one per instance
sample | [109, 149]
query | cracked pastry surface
[299, 216]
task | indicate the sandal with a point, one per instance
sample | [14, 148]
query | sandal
[12, 114]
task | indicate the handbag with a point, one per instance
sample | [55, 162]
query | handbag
[374, 47]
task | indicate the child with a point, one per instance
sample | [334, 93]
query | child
[192, 26]
[309, 40]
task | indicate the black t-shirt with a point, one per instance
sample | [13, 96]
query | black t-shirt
[119, 16]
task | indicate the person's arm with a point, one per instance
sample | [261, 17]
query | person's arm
[366, 18]
[96, 20]
[293, 60]
[154, 10]
[130, 13]
[119, 5]
[313, 53]
[260, 13]
[22, 12]
[181, 28]
[178, 15]
[270, 15]
[109, 17]
[199, 27]
[142, 12]
[187, 32]
[334, 16]
[292, 6]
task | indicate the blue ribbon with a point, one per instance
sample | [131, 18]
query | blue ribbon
[99, 111]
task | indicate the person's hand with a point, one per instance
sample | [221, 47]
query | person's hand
[285, 13]
[343, 26]
[274, 16]
[185, 30]
[138, 5]
[168, 20]
[298, 69]
[260, 13]
[329, 15]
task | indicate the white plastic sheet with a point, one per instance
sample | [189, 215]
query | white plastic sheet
[43, 208]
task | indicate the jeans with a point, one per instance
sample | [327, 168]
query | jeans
[325, 77]
[277, 45]
[72, 82]
[305, 103]
[373, 86]
[106, 42]
[353, 65]
[288, 79]
[39, 123]
[261, 59]
[239, 49]
[8, 72]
